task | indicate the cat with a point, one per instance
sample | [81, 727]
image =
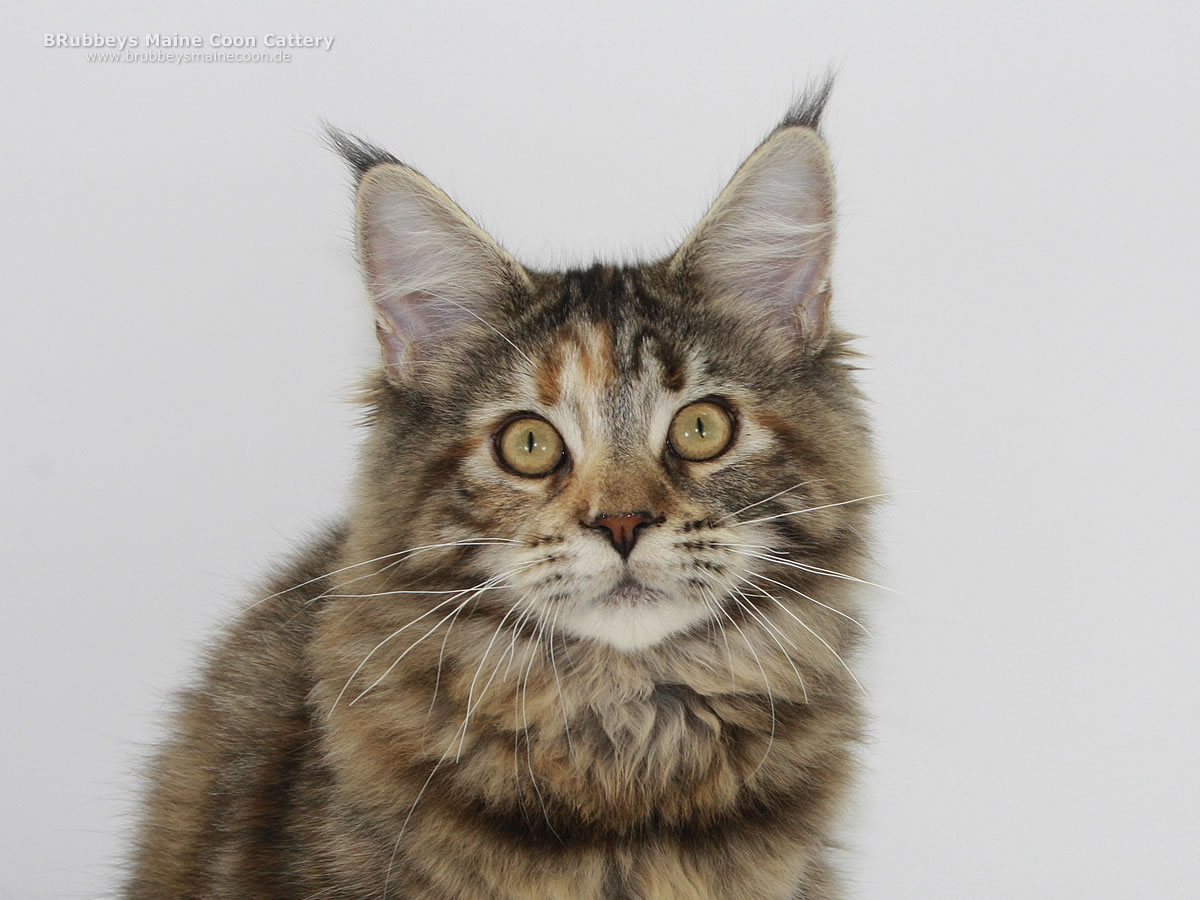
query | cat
[584, 631]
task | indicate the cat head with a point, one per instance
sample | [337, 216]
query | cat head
[620, 451]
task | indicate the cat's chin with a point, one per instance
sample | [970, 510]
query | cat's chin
[630, 593]
[631, 617]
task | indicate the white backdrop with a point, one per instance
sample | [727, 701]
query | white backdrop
[183, 324]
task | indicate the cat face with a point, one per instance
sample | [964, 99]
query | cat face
[619, 514]
[622, 536]
[626, 446]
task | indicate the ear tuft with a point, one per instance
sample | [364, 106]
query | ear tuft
[807, 108]
[360, 155]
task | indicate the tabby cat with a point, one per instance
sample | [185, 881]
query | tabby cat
[584, 632]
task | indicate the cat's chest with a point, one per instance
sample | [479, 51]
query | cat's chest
[470, 857]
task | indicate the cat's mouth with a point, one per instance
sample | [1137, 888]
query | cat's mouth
[629, 592]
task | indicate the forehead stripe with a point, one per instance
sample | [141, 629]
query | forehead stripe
[597, 355]
[671, 363]
[546, 378]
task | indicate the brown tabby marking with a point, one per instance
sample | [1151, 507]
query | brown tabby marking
[548, 375]
[468, 691]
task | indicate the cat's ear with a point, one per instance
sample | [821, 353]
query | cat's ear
[429, 267]
[767, 242]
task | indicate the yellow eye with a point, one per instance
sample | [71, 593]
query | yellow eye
[530, 447]
[701, 431]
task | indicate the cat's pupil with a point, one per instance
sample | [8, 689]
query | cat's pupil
[529, 442]
[700, 426]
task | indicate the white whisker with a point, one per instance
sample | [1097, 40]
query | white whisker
[801, 593]
[771, 630]
[533, 645]
[762, 501]
[817, 570]
[811, 631]
[437, 682]
[716, 617]
[512, 644]
[394, 634]
[473, 593]
[561, 701]
[471, 690]
[766, 684]
[450, 746]
[468, 542]
[409, 649]
[797, 512]
[472, 312]
[396, 593]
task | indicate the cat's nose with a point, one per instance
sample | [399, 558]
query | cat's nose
[623, 528]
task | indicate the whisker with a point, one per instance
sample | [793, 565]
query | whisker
[487, 684]
[516, 733]
[403, 555]
[797, 512]
[766, 548]
[471, 690]
[473, 593]
[533, 645]
[831, 573]
[771, 628]
[396, 593]
[468, 542]
[713, 608]
[811, 631]
[561, 701]
[818, 570]
[437, 682]
[762, 501]
[373, 650]
[512, 644]
[510, 653]
[409, 649]
[766, 684]
[832, 609]
[328, 593]
[484, 321]
[450, 746]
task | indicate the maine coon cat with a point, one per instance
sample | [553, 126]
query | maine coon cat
[584, 632]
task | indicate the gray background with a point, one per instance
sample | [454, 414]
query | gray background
[183, 325]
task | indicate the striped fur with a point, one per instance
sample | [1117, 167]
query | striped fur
[480, 718]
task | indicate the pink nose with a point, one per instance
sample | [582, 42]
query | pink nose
[623, 528]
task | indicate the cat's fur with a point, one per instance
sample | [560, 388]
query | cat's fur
[365, 732]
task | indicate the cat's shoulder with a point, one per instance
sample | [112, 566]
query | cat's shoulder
[264, 646]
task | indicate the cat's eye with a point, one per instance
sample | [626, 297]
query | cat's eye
[530, 447]
[701, 431]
